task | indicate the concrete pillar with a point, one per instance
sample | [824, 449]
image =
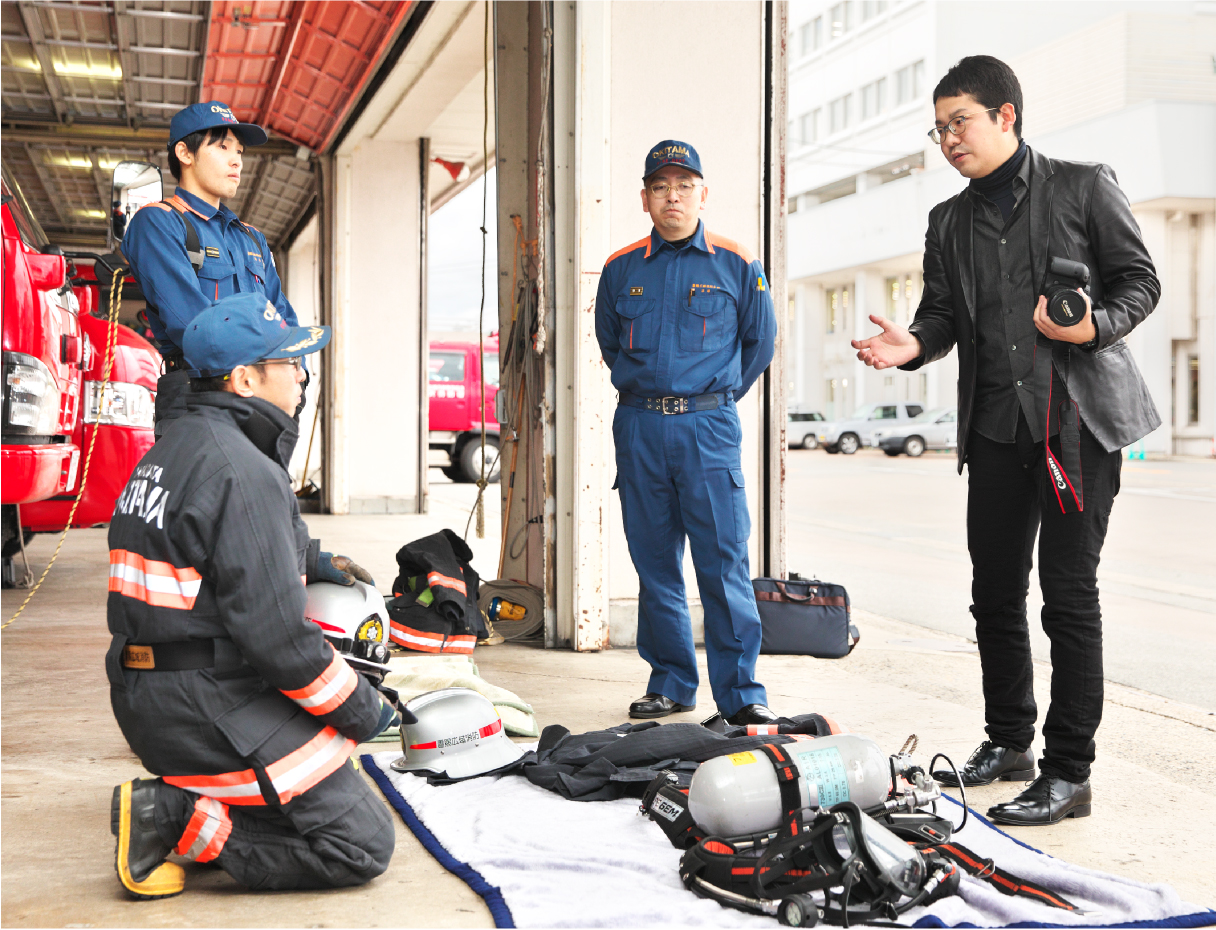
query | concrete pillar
[373, 440]
[1150, 341]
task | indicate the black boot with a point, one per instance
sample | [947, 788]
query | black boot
[139, 856]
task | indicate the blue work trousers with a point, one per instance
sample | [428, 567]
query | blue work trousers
[681, 476]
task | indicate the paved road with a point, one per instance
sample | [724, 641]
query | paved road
[892, 531]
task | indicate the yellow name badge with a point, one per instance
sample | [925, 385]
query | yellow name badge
[742, 758]
[138, 657]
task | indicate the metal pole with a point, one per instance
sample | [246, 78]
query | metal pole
[424, 413]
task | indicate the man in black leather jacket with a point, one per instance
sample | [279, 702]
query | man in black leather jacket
[1044, 411]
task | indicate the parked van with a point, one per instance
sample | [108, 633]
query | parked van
[455, 417]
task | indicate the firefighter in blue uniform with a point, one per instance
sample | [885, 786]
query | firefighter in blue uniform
[182, 274]
[685, 322]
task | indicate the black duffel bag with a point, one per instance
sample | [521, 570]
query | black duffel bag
[804, 617]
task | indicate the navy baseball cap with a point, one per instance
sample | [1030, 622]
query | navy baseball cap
[243, 329]
[671, 152]
[211, 115]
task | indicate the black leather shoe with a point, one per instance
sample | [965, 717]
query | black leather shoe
[657, 705]
[1049, 799]
[751, 713]
[990, 763]
[139, 855]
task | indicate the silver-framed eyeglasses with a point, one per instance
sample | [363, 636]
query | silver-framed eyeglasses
[956, 126]
[663, 188]
[296, 362]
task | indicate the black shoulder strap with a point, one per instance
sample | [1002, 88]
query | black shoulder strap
[194, 248]
[249, 232]
[789, 780]
[1005, 882]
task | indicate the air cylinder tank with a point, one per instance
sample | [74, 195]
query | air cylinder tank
[738, 794]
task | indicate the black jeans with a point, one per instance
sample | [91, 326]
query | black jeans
[1008, 498]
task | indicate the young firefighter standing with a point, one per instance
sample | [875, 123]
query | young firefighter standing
[1043, 412]
[190, 251]
[218, 682]
[685, 323]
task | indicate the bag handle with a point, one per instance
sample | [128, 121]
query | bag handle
[796, 597]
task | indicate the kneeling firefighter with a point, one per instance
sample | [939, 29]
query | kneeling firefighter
[220, 684]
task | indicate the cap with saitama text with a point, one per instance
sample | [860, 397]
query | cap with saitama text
[241, 330]
[212, 115]
[671, 152]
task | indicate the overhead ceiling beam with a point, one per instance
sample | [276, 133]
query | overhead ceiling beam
[256, 187]
[116, 25]
[297, 20]
[49, 186]
[101, 182]
[37, 40]
[148, 138]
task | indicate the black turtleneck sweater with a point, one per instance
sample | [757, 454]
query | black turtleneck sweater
[998, 186]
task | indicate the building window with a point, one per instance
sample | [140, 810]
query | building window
[833, 310]
[909, 83]
[872, 8]
[1192, 414]
[873, 98]
[841, 19]
[838, 113]
[892, 298]
[808, 127]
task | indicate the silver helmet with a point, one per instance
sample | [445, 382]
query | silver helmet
[355, 621]
[454, 732]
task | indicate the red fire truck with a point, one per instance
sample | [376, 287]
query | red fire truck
[53, 364]
[455, 420]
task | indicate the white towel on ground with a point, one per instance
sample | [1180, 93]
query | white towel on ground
[565, 863]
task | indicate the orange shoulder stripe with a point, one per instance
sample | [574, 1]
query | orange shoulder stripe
[632, 247]
[730, 245]
[158, 203]
[182, 205]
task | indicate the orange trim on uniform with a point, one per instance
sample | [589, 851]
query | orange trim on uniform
[158, 584]
[320, 757]
[328, 690]
[422, 641]
[435, 579]
[157, 203]
[632, 247]
[232, 788]
[207, 831]
[182, 205]
[712, 239]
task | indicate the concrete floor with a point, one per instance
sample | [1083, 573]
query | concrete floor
[62, 753]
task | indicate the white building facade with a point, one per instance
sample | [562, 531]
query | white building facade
[1129, 84]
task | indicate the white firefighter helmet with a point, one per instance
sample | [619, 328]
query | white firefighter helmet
[454, 732]
[355, 621]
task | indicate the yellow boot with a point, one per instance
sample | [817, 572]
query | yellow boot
[140, 852]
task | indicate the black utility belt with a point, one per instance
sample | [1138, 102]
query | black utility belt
[674, 405]
[170, 657]
[175, 363]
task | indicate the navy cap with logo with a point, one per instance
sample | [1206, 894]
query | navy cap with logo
[671, 152]
[211, 115]
[243, 329]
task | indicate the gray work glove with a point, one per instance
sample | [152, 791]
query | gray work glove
[340, 569]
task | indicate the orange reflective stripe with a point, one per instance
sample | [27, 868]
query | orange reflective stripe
[712, 240]
[207, 831]
[159, 584]
[422, 641]
[233, 788]
[436, 580]
[329, 689]
[320, 756]
[633, 246]
[158, 205]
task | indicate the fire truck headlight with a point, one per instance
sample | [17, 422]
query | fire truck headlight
[31, 396]
[124, 404]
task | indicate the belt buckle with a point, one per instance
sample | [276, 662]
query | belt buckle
[680, 405]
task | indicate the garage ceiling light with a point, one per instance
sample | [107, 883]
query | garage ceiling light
[91, 214]
[80, 69]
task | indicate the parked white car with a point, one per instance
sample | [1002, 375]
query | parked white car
[801, 429]
[933, 429]
[849, 435]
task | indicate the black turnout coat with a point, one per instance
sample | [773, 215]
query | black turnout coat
[206, 544]
[1077, 211]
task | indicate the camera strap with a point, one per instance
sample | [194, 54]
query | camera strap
[1064, 462]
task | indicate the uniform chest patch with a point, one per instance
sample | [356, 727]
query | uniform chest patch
[213, 252]
[635, 292]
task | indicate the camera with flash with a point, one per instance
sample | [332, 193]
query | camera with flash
[1065, 306]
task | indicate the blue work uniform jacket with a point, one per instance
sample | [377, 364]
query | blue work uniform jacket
[683, 322]
[234, 262]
